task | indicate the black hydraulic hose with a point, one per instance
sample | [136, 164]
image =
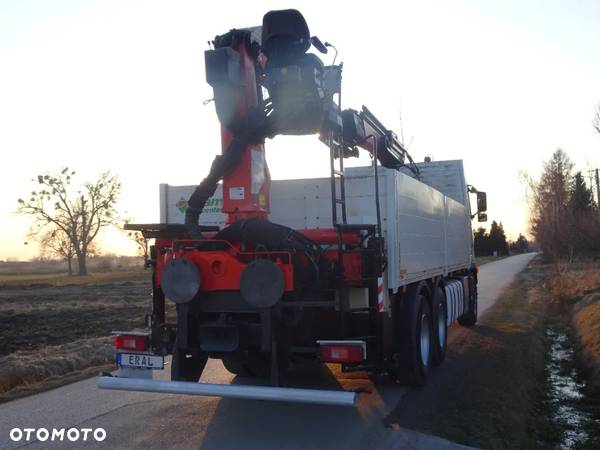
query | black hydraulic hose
[222, 166]
[377, 205]
[246, 131]
[413, 167]
[376, 174]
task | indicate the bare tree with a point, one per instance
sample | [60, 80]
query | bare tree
[596, 121]
[55, 242]
[142, 243]
[80, 215]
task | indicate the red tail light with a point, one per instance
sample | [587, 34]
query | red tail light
[342, 352]
[128, 342]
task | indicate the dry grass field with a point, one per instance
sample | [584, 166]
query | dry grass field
[55, 328]
[58, 280]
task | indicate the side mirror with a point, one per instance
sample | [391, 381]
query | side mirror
[481, 217]
[481, 203]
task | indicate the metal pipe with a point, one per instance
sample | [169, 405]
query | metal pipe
[314, 396]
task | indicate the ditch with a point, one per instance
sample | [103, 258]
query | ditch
[573, 412]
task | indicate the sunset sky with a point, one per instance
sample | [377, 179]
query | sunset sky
[120, 85]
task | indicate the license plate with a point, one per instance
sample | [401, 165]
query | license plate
[139, 361]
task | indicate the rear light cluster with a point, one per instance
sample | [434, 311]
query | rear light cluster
[131, 342]
[343, 352]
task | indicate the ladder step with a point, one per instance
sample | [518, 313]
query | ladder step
[341, 201]
[338, 172]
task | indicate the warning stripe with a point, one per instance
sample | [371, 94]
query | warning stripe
[380, 297]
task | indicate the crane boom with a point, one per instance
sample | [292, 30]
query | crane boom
[245, 63]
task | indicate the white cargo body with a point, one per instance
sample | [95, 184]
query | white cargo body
[427, 232]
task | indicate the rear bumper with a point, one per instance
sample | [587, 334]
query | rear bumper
[315, 396]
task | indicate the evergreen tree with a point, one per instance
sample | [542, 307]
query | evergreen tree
[521, 245]
[498, 242]
[550, 215]
[481, 242]
[581, 199]
[583, 229]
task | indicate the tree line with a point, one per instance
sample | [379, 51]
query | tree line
[564, 217]
[495, 242]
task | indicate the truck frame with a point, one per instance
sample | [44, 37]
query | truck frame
[366, 268]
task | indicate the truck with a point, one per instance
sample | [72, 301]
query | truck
[366, 268]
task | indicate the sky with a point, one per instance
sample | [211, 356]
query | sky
[120, 85]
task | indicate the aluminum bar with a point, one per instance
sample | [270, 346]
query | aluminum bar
[315, 396]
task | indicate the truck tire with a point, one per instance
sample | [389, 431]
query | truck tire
[413, 336]
[187, 368]
[259, 364]
[236, 364]
[470, 317]
[440, 327]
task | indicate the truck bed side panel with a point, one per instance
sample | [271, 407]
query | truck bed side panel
[427, 233]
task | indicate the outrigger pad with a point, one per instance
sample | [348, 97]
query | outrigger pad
[180, 280]
[261, 283]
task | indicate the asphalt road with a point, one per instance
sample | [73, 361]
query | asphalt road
[144, 420]
[495, 276]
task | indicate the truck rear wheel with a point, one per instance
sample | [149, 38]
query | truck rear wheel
[254, 364]
[470, 317]
[236, 364]
[259, 364]
[440, 327]
[413, 335]
[187, 366]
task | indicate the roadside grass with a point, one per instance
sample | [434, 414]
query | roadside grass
[489, 391]
[586, 320]
[54, 382]
[23, 373]
[45, 280]
[569, 282]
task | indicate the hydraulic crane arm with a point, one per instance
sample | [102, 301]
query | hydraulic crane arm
[247, 63]
[363, 129]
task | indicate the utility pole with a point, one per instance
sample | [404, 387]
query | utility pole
[595, 177]
[598, 189]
